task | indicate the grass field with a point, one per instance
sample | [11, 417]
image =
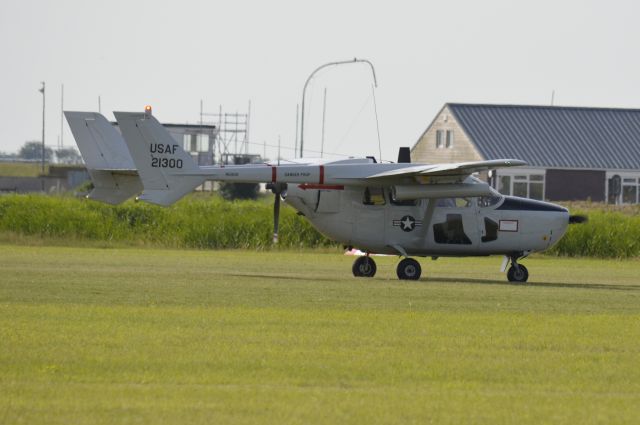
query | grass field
[22, 169]
[94, 336]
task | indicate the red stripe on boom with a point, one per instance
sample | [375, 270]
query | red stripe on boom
[306, 186]
[321, 175]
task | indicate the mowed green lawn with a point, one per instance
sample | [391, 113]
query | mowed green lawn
[93, 336]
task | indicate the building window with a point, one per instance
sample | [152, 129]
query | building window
[536, 186]
[439, 137]
[504, 185]
[629, 191]
[449, 139]
[525, 185]
[623, 188]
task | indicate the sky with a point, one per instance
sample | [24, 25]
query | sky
[172, 55]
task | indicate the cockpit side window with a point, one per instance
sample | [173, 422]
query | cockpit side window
[373, 196]
[454, 202]
[488, 201]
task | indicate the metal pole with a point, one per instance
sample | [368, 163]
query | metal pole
[42, 90]
[295, 150]
[62, 116]
[304, 90]
[324, 112]
[247, 133]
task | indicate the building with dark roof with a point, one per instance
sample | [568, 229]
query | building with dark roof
[572, 153]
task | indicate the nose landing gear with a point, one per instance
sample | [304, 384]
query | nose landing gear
[517, 272]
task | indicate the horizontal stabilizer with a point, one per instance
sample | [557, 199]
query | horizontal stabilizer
[113, 173]
[114, 186]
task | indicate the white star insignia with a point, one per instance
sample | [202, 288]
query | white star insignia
[407, 223]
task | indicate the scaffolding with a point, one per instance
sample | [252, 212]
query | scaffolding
[231, 143]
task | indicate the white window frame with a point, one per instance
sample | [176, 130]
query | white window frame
[439, 139]
[623, 175]
[527, 172]
[448, 139]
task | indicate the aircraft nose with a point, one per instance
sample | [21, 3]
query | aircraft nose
[560, 223]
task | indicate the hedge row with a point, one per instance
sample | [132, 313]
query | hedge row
[194, 222]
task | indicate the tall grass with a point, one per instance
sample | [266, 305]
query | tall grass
[607, 234]
[205, 221]
[194, 222]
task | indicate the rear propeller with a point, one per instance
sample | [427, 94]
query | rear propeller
[279, 190]
[578, 219]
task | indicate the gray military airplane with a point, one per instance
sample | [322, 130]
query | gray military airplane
[404, 209]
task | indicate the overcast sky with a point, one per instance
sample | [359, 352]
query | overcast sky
[425, 53]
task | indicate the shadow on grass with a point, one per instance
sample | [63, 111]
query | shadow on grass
[431, 279]
[280, 277]
[535, 284]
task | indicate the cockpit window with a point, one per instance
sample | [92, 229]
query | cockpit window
[373, 196]
[453, 203]
[488, 201]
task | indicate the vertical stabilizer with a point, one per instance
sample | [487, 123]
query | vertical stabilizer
[166, 170]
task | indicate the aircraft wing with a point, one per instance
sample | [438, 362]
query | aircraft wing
[460, 169]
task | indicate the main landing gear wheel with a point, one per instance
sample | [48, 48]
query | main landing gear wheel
[364, 267]
[518, 273]
[409, 269]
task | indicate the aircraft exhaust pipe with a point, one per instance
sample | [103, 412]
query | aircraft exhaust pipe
[407, 193]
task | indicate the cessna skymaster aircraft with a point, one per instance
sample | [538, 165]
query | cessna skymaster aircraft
[422, 210]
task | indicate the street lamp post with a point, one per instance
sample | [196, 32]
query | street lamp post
[304, 90]
[42, 91]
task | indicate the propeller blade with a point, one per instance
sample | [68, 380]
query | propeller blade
[276, 217]
[578, 219]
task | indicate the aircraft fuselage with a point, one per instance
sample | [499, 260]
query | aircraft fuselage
[369, 219]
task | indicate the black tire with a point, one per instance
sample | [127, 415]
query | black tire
[409, 269]
[364, 267]
[519, 274]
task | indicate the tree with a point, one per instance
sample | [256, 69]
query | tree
[33, 150]
[68, 156]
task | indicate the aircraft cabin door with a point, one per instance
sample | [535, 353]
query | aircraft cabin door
[369, 219]
[454, 225]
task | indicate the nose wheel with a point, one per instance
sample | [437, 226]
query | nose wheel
[364, 267]
[517, 272]
[408, 269]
